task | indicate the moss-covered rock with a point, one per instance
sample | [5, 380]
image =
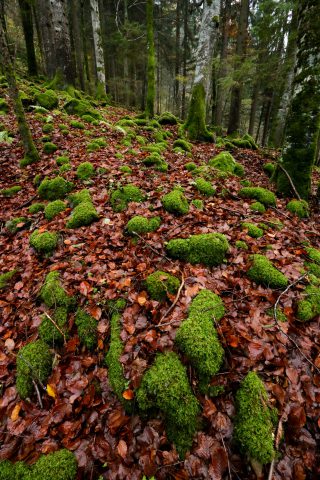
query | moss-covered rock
[208, 248]
[53, 294]
[6, 277]
[190, 166]
[48, 332]
[85, 170]
[16, 224]
[90, 119]
[62, 160]
[167, 118]
[269, 168]
[48, 99]
[253, 424]
[299, 208]
[257, 207]
[80, 197]
[53, 209]
[264, 273]
[14, 471]
[309, 306]
[34, 362]
[313, 254]
[54, 189]
[44, 243]
[125, 169]
[49, 147]
[77, 124]
[122, 196]
[204, 187]
[175, 202]
[82, 215]
[253, 230]
[260, 194]
[4, 107]
[155, 159]
[11, 191]
[80, 107]
[87, 329]
[165, 386]
[198, 203]
[241, 244]
[223, 161]
[47, 128]
[183, 144]
[142, 225]
[161, 284]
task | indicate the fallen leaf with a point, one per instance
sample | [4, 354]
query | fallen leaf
[9, 344]
[128, 394]
[15, 412]
[142, 298]
[51, 391]
[122, 448]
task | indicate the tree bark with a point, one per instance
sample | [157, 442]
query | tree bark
[27, 25]
[177, 58]
[151, 65]
[98, 50]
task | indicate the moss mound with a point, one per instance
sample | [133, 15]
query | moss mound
[36, 208]
[260, 194]
[54, 189]
[175, 202]
[49, 147]
[6, 277]
[309, 307]
[123, 195]
[253, 230]
[80, 197]
[204, 187]
[48, 332]
[10, 192]
[313, 254]
[190, 166]
[223, 161]
[183, 145]
[198, 203]
[16, 224]
[34, 362]
[13, 471]
[48, 99]
[4, 107]
[299, 208]
[85, 170]
[53, 209]
[207, 248]
[53, 294]
[269, 168]
[87, 329]
[142, 225]
[157, 161]
[241, 244]
[253, 423]
[257, 207]
[96, 144]
[167, 118]
[80, 107]
[159, 284]
[165, 386]
[264, 273]
[90, 119]
[47, 128]
[44, 243]
[77, 124]
[83, 214]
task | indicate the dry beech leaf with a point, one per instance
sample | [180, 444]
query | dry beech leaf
[122, 448]
[15, 412]
[51, 391]
[9, 344]
[128, 394]
[142, 298]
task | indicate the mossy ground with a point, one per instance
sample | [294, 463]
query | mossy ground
[209, 249]
[264, 273]
[161, 284]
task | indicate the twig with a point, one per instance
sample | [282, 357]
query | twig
[229, 470]
[38, 392]
[290, 180]
[276, 444]
[57, 326]
[25, 204]
[173, 304]
[152, 248]
[284, 333]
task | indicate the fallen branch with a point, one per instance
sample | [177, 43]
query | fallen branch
[224, 447]
[160, 324]
[279, 433]
[38, 393]
[57, 327]
[290, 180]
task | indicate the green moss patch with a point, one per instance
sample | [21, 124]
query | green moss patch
[79, 197]
[257, 207]
[167, 118]
[34, 362]
[87, 329]
[263, 195]
[183, 145]
[125, 169]
[142, 225]
[175, 202]
[223, 161]
[198, 203]
[13, 471]
[6, 277]
[253, 230]
[49, 147]
[10, 192]
[309, 306]
[53, 294]
[299, 208]
[18, 223]
[4, 107]
[48, 332]
[313, 254]
[190, 166]
[80, 107]
[241, 244]
[264, 273]
[44, 243]
[161, 284]
[77, 124]
[47, 128]
[82, 215]
[204, 187]
[156, 160]
[208, 248]
[165, 386]
[269, 168]
[122, 196]
[48, 99]
[53, 209]
[253, 424]
[54, 189]
[85, 170]
[90, 119]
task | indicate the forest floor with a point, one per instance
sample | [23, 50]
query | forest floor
[100, 262]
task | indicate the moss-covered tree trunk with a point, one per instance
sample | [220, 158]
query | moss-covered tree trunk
[27, 24]
[151, 66]
[31, 153]
[303, 119]
[195, 125]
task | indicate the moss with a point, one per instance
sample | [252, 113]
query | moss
[260, 194]
[59, 465]
[165, 387]
[198, 203]
[309, 307]
[65, 168]
[44, 243]
[53, 209]
[241, 244]
[159, 284]
[253, 230]
[223, 161]
[122, 196]
[77, 124]
[49, 147]
[34, 362]
[85, 170]
[195, 126]
[197, 337]
[47, 128]
[141, 140]
[96, 145]
[82, 215]
[253, 423]
[313, 254]
[13, 471]
[190, 166]
[183, 144]
[53, 294]
[299, 208]
[204, 187]
[125, 169]
[48, 331]
[175, 202]
[142, 225]
[239, 170]
[248, 138]
[153, 159]
[48, 99]
[152, 149]
[257, 207]
[80, 197]
[269, 168]
[4, 107]
[87, 329]
[126, 122]
[208, 248]
[281, 317]
[62, 126]
[263, 272]
[115, 370]
[6, 277]
[10, 192]
[16, 224]
[245, 183]
[54, 189]
[37, 180]
[80, 107]
[313, 269]
[167, 118]
[90, 119]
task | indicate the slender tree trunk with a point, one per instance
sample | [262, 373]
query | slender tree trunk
[267, 114]
[302, 125]
[254, 105]
[177, 59]
[185, 54]
[235, 105]
[27, 24]
[77, 44]
[31, 153]
[98, 50]
[151, 62]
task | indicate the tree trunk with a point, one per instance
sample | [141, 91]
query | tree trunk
[185, 54]
[267, 114]
[303, 120]
[195, 125]
[151, 66]
[31, 153]
[254, 105]
[77, 43]
[98, 50]
[177, 59]
[235, 105]
[27, 24]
